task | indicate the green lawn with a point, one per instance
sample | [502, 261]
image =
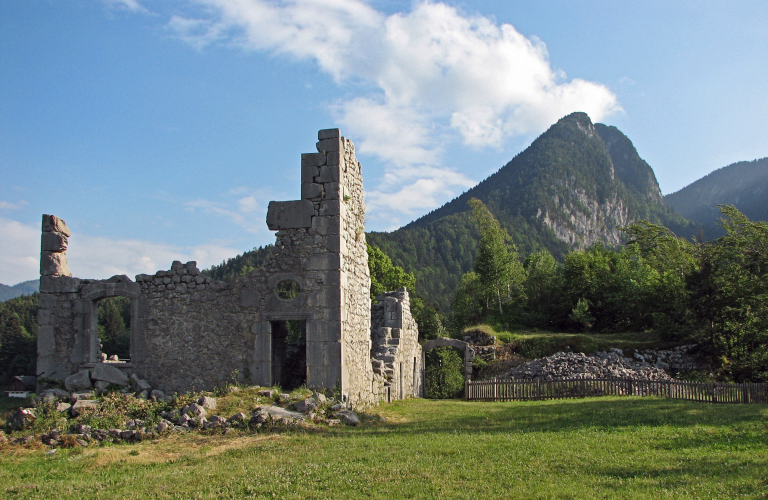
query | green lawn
[590, 448]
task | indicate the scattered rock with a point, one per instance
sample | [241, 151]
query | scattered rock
[207, 402]
[20, 417]
[82, 403]
[157, 394]
[276, 411]
[79, 381]
[306, 406]
[194, 410]
[319, 397]
[284, 398]
[60, 407]
[50, 396]
[348, 417]
[3, 438]
[108, 373]
[75, 396]
[266, 393]
[237, 417]
[101, 386]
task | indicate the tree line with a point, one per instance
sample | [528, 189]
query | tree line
[714, 292]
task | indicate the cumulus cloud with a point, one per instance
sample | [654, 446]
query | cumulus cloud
[242, 205]
[95, 256]
[424, 78]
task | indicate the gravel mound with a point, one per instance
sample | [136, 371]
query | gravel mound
[564, 365]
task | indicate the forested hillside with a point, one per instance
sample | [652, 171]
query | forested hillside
[25, 288]
[743, 185]
[576, 185]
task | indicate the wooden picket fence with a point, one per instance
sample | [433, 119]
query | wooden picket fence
[522, 390]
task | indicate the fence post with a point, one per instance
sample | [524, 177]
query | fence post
[744, 393]
[466, 389]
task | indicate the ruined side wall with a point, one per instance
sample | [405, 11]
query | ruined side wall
[357, 373]
[396, 353]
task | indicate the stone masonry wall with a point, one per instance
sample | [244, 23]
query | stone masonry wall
[191, 332]
[396, 353]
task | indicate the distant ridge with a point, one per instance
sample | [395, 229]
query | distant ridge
[743, 184]
[24, 288]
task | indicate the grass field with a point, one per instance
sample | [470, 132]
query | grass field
[590, 448]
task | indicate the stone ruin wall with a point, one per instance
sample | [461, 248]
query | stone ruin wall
[191, 332]
[396, 356]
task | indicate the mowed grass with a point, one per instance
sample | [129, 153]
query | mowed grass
[591, 448]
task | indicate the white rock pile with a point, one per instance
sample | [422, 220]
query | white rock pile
[568, 365]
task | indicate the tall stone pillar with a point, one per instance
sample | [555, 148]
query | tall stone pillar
[53, 248]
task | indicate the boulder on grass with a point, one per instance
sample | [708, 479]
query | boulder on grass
[108, 373]
[348, 417]
[80, 381]
[306, 406]
[21, 417]
[194, 411]
[207, 402]
[82, 403]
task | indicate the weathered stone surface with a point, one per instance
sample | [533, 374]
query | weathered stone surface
[328, 133]
[157, 394]
[207, 402]
[79, 395]
[62, 407]
[78, 382]
[267, 393]
[282, 412]
[108, 373]
[51, 223]
[54, 264]
[319, 397]
[52, 395]
[83, 403]
[54, 242]
[306, 406]
[290, 214]
[194, 410]
[348, 417]
[100, 385]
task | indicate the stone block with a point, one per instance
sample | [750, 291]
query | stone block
[108, 373]
[333, 159]
[308, 174]
[326, 145]
[328, 133]
[326, 225]
[332, 191]
[53, 242]
[77, 408]
[51, 223]
[328, 174]
[329, 208]
[322, 262]
[80, 381]
[290, 214]
[311, 190]
[46, 340]
[54, 264]
[313, 159]
[191, 268]
[325, 297]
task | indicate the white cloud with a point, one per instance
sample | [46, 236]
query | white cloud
[97, 257]
[131, 5]
[5, 205]
[19, 252]
[419, 79]
[243, 206]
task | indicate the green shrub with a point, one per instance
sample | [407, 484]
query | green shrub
[444, 374]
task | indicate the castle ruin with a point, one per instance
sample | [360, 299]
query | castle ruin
[305, 316]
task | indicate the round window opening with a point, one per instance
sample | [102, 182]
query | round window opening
[288, 289]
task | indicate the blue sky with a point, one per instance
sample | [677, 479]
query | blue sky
[160, 129]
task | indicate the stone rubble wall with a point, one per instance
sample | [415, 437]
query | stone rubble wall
[483, 344]
[396, 353]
